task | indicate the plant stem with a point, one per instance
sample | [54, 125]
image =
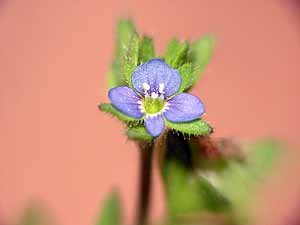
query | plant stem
[145, 170]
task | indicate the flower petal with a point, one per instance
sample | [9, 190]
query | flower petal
[184, 107]
[154, 125]
[154, 73]
[126, 101]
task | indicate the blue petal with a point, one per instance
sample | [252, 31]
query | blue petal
[184, 107]
[153, 73]
[126, 101]
[155, 125]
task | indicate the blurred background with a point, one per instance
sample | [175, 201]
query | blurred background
[57, 148]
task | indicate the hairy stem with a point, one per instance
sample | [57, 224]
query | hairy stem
[145, 170]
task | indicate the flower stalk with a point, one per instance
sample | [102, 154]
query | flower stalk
[145, 181]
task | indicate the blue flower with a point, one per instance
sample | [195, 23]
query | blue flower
[154, 98]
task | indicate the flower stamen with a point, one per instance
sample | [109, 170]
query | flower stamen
[146, 88]
[154, 95]
[161, 88]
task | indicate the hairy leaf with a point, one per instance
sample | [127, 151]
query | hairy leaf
[124, 33]
[139, 133]
[185, 71]
[181, 55]
[147, 51]
[176, 53]
[199, 55]
[195, 127]
[171, 51]
[107, 107]
[130, 58]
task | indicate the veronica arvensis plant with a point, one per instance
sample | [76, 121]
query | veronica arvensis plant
[149, 94]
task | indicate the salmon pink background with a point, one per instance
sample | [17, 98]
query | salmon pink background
[57, 147]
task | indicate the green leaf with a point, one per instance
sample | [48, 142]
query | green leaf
[171, 51]
[113, 76]
[261, 157]
[131, 58]
[34, 214]
[125, 30]
[199, 55]
[107, 107]
[238, 179]
[195, 127]
[185, 71]
[124, 33]
[212, 198]
[139, 133]
[182, 196]
[187, 193]
[111, 212]
[176, 53]
[147, 51]
[181, 55]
